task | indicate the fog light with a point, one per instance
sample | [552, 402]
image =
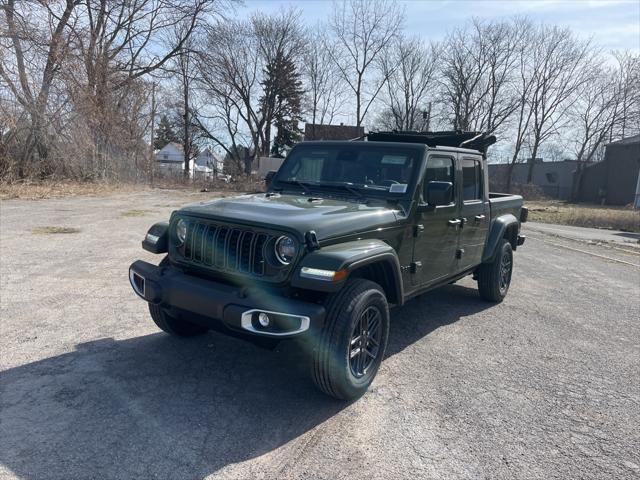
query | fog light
[263, 319]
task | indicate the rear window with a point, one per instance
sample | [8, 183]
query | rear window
[471, 179]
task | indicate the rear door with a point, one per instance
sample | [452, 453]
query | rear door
[474, 211]
[436, 237]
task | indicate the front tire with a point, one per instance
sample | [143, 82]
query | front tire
[174, 326]
[171, 325]
[494, 278]
[353, 340]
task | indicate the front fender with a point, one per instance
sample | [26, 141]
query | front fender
[157, 238]
[498, 227]
[347, 257]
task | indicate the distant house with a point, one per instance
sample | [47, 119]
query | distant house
[554, 179]
[170, 160]
[332, 132]
[208, 164]
[616, 179]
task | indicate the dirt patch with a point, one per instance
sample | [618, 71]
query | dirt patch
[136, 213]
[54, 230]
[584, 215]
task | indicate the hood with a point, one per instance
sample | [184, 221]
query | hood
[327, 217]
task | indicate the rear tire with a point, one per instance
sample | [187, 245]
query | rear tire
[353, 340]
[494, 278]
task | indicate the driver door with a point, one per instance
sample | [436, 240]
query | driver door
[436, 239]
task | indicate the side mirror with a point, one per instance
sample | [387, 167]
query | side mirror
[439, 193]
[269, 177]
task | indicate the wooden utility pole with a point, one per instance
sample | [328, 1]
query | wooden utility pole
[153, 132]
[426, 118]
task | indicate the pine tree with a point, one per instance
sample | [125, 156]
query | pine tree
[288, 135]
[164, 134]
[281, 103]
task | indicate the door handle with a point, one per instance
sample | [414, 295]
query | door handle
[455, 222]
[479, 218]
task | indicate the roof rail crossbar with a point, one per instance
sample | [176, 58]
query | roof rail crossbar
[456, 138]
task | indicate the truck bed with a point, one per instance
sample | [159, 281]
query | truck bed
[502, 203]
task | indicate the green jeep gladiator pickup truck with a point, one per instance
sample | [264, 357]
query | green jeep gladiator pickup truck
[345, 230]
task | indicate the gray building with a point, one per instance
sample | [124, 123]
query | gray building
[613, 181]
[554, 179]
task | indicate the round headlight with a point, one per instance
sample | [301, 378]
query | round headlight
[285, 249]
[181, 231]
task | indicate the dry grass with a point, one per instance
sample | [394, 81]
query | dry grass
[30, 190]
[584, 215]
[36, 190]
[54, 230]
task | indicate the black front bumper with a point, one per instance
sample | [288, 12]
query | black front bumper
[219, 303]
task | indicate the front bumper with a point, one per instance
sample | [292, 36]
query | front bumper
[234, 307]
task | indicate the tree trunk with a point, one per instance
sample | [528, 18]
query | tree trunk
[510, 169]
[186, 130]
[577, 181]
[266, 148]
[532, 162]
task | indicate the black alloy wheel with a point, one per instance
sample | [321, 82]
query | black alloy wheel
[365, 341]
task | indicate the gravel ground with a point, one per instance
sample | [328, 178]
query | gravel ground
[544, 385]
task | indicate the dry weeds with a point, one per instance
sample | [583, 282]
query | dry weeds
[584, 215]
[53, 189]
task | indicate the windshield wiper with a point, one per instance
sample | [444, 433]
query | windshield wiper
[302, 185]
[348, 186]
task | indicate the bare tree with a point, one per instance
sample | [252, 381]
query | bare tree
[627, 114]
[363, 29]
[25, 75]
[595, 114]
[480, 63]
[119, 42]
[462, 74]
[325, 90]
[560, 69]
[411, 68]
[232, 68]
[523, 85]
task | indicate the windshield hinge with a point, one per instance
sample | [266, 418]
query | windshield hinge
[311, 240]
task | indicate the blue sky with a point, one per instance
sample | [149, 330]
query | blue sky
[613, 24]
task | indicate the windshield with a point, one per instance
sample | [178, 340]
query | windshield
[350, 167]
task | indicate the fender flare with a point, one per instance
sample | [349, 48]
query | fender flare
[349, 256]
[157, 238]
[498, 227]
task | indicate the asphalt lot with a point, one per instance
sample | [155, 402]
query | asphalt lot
[544, 385]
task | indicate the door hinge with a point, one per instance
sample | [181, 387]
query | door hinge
[415, 266]
[418, 229]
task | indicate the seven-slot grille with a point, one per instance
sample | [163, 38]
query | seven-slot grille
[225, 248]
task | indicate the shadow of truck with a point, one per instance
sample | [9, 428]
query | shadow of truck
[157, 406]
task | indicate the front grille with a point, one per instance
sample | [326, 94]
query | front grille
[226, 248]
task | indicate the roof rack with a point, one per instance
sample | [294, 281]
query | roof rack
[456, 138]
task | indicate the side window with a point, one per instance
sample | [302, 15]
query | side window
[471, 179]
[439, 169]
